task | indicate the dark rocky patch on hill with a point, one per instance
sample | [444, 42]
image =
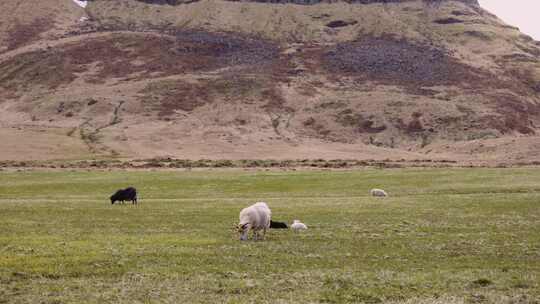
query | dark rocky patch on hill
[21, 34]
[394, 61]
[149, 56]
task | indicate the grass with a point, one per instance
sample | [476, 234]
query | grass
[443, 236]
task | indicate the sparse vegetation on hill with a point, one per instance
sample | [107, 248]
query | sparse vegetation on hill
[411, 76]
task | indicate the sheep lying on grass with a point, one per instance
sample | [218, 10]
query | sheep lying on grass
[378, 193]
[297, 226]
[256, 218]
[278, 225]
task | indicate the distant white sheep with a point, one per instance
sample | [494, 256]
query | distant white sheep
[378, 193]
[256, 218]
[297, 226]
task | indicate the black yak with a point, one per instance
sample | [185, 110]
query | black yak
[128, 194]
[278, 225]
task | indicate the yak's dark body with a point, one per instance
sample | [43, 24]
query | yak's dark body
[278, 225]
[128, 194]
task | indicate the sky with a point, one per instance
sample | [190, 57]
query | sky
[521, 13]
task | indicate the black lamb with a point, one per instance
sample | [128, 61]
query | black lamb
[278, 225]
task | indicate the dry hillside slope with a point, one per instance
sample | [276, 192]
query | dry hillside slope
[404, 79]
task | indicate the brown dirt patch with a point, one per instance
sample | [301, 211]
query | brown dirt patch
[168, 96]
[22, 34]
[526, 77]
[360, 123]
[413, 126]
[175, 95]
[515, 115]
[276, 102]
[40, 68]
[319, 128]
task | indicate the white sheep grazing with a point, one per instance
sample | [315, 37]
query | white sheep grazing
[378, 193]
[297, 226]
[255, 217]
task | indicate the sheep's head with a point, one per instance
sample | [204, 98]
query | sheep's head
[243, 230]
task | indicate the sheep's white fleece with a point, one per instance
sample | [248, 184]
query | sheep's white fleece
[257, 217]
[378, 192]
[297, 225]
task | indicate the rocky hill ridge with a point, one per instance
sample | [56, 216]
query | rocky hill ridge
[224, 79]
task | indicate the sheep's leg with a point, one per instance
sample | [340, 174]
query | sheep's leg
[263, 234]
[255, 235]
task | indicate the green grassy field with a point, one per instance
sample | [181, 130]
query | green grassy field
[443, 236]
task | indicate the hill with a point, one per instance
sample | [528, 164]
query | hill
[267, 79]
